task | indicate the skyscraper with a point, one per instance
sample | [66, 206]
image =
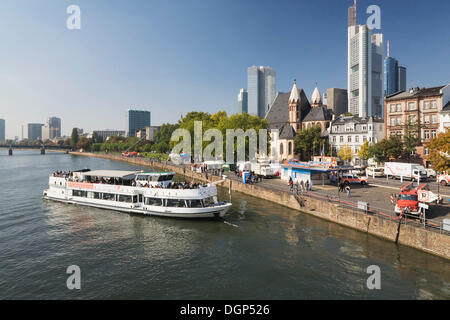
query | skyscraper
[394, 75]
[35, 131]
[51, 129]
[2, 130]
[243, 101]
[137, 120]
[261, 89]
[401, 78]
[390, 76]
[365, 68]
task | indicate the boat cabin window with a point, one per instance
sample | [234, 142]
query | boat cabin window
[177, 203]
[195, 203]
[153, 202]
[97, 195]
[109, 196]
[165, 177]
[140, 198]
[79, 193]
[135, 199]
[125, 198]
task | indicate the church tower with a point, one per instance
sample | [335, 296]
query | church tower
[295, 109]
[316, 98]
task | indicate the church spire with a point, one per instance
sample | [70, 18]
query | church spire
[294, 93]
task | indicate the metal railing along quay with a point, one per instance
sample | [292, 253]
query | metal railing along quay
[407, 219]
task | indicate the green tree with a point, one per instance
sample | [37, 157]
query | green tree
[74, 138]
[162, 137]
[310, 142]
[395, 147]
[84, 143]
[378, 151]
[411, 139]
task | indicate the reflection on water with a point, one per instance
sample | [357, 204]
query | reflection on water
[259, 251]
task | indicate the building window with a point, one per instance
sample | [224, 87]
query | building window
[426, 119]
[290, 147]
[433, 134]
[281, 149]
[392, 121]
[349, 139]
[364, 138]
[334, 138]
[392, 107]
[426, 151]
[341, 139]
[426, 135]
[399, 121]
[411, 106]
[434, 118]
[426, 105]
[433, 104]
[399, 108]
[412, 119]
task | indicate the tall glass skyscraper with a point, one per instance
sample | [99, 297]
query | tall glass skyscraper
[261, 85]
[137, 120]
[394, 75]
[2, 130]
[365, 69]
[242, 101]
[390, 76]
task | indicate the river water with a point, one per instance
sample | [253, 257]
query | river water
[259, 251]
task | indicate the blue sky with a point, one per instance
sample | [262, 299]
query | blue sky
[171, 57]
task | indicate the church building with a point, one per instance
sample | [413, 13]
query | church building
[289, 114]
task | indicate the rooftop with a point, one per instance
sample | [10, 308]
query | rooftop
[416, 93]
[112, 174]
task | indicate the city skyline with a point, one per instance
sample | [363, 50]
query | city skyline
[56, 71]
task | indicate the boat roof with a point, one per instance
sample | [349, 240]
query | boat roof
[112, 174]
[155, 173]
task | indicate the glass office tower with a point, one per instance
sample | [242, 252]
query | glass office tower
[261, 85]
[137, 120]
[242, 101]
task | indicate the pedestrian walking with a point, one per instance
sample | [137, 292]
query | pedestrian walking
[291, 183]
[341, 186]
[347, 188]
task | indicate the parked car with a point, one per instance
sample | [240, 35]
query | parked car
[443, 178]
[430, 173]
[374, 171]
[349, 178]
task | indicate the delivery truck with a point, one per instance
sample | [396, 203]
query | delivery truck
[409, 171]
[263, 169]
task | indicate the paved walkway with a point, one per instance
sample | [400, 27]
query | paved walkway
[377, 195]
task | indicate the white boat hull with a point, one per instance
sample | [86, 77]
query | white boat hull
[209, 212]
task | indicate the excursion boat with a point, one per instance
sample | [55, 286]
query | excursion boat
[152, 193]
